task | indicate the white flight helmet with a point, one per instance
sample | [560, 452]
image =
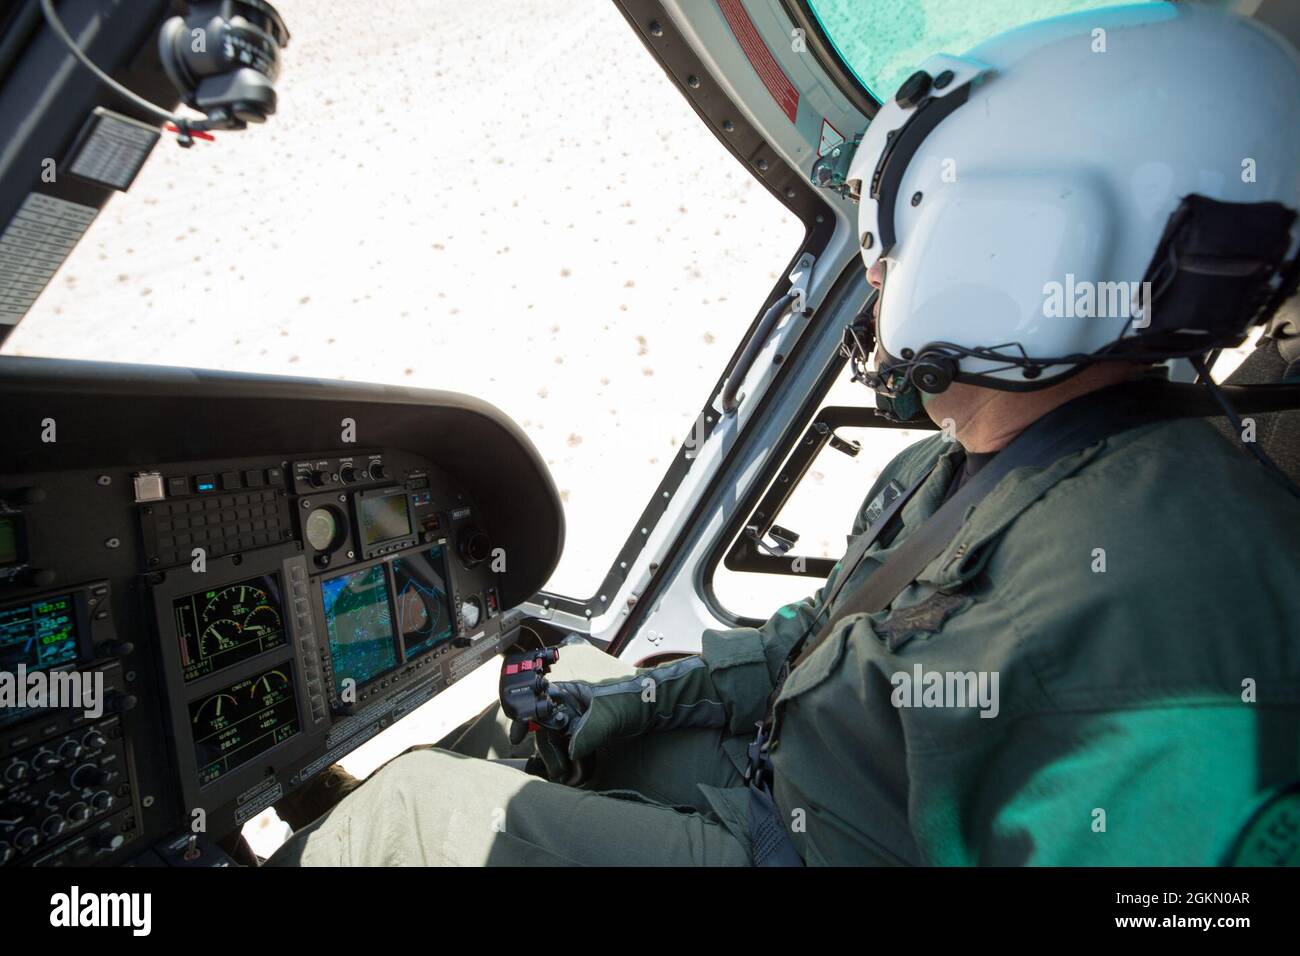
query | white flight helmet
[1022, 194]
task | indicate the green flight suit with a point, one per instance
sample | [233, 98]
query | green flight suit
[1130, 614]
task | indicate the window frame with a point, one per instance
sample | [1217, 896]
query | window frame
[824, 51]
[729, 124]
[785, 462]
[744, 555]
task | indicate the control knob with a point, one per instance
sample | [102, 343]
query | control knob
[347, 474]
[317, 478]
[94, 741]
[376, 471]
[102, 802]
[474, 546]
[16, 772]
[90, 775]
[53, 825]
[27, 839]
[119, 702]
[45, 760]
[14, 812]
[107, 841]
[70, 750]
[78, 813]
[6, 853]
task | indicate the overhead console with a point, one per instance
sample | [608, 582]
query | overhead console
[245, 578]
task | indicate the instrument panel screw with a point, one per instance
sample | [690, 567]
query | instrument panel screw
[112, 543]
[728, 126]
[693, 81]
[916, 199]
[656, 30]
[104, 481]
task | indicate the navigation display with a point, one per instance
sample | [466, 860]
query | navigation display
[248, 718]
[38, 634]
[359, 621]
[223, 626]
[423, 607]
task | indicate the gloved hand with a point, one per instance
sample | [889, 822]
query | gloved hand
[553, 747]
[586, 715]
[556, 720]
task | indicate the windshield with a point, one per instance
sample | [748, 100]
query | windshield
[883, 41]
[555, 232]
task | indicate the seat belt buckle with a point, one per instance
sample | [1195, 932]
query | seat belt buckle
[758, 766]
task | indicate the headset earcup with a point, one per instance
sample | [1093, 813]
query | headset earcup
[932, 372]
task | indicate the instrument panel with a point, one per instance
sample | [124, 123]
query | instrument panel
[213, 586]
[289, 609]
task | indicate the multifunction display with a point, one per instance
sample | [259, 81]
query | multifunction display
[234, 725]
[359, 622]
[384, 521]
[223, 626]
[424, 617]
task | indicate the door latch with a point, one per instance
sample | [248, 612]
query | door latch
[783, 540]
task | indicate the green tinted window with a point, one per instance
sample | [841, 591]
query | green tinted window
[883, 41]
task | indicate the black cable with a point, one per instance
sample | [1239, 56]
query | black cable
[52, 18]
[1270, 466]
[541, 645]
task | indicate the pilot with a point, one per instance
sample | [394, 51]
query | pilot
[1089, 657]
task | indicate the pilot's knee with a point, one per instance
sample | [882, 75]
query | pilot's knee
[413, 771]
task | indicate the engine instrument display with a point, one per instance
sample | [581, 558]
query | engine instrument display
[38, 634]
[234, 725]
[223, 626]
[359, 621]
[423, 608]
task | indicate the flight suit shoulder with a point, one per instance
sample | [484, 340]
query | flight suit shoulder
[906, 468]
[1151, 573]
